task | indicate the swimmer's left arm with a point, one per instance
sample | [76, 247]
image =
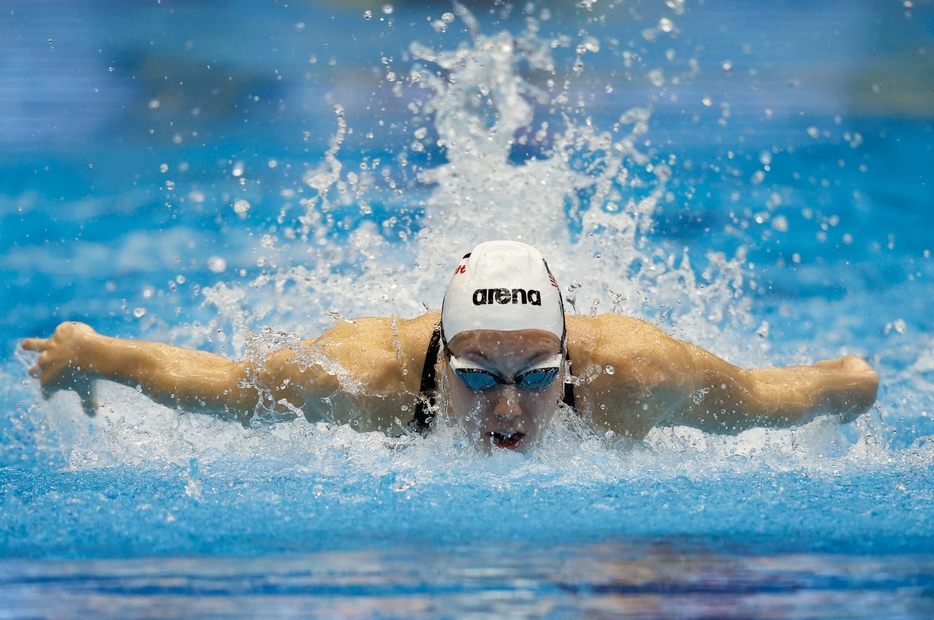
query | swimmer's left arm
[729, 399]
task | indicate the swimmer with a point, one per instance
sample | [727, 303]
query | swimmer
[499, 359]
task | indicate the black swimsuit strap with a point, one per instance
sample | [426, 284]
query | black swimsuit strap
[426, 398]
[568, 386]
[428, 388]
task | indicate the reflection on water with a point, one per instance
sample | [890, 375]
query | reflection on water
[613, 579]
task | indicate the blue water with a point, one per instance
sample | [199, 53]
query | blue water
[790, 225]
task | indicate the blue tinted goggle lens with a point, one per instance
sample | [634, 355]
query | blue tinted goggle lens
[477, 379]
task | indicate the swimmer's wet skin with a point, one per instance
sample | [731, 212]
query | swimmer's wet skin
[493, 365]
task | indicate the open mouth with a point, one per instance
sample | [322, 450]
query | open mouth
[508, 440]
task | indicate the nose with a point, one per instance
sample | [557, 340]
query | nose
[507, 405]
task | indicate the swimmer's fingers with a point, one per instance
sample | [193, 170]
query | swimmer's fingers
[35, 344]
[48, 371]
[87, 392]
[55, 373]
[50, 380]
[856, 364]
[55, 367]
[83, 385]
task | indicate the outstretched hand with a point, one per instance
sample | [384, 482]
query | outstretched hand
[59, 366]
[860, 381]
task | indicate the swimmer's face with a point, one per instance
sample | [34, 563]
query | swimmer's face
[506, 416]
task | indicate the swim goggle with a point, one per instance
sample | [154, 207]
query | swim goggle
[538, 377]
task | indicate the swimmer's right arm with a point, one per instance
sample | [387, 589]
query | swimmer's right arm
[369, 365]
[173, 376]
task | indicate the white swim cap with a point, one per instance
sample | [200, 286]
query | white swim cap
[503, 286]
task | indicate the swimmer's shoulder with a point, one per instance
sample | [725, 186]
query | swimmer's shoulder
[592, 331]
[612, 339]
[414, 335]
[386, 345]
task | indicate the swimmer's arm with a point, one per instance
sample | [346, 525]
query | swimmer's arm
[729, 400]
[352, 367]
[173, 376]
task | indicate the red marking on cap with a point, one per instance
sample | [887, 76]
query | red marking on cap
[554, 283]
[463, 269]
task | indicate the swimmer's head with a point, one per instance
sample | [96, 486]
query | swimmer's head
[502, 324]
[502, 286]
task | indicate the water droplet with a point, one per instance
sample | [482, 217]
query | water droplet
[139, 312]
[217, 264]
[763, 331]
[589, 44]
[368, 15]
[387, 9]
[241, 207]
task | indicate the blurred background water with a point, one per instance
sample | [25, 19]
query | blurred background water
[754, 177]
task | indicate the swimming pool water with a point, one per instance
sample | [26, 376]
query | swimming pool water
[754, 179]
